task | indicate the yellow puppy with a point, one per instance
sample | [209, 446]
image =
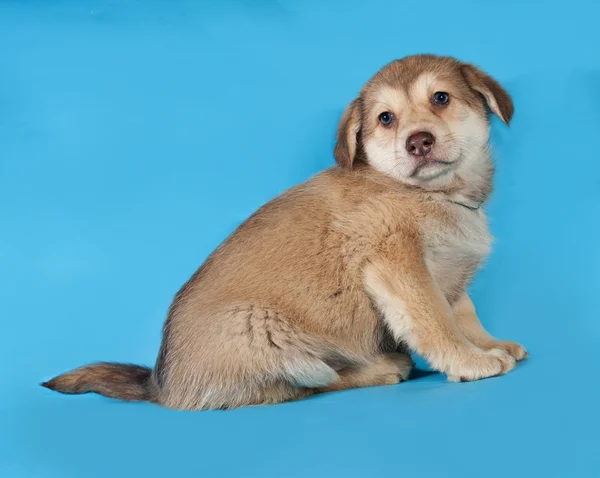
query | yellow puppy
[330, 285]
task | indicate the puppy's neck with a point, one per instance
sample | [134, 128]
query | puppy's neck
[472, 187]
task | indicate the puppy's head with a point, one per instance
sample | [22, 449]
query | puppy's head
[423, 120]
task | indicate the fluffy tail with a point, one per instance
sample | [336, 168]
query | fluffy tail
[114, 380]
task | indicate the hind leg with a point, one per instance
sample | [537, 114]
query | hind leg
[242, 355]
[388, 369]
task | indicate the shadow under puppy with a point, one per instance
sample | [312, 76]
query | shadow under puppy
[330, 285]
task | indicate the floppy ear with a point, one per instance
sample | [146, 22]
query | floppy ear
[496, 97]
[347, 135]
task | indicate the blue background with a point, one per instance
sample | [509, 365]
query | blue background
[136, 135]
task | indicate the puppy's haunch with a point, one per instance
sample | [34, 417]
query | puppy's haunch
[332, 284]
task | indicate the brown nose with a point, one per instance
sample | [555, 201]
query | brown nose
[419, 144]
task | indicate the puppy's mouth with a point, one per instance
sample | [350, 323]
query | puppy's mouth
[428, 166]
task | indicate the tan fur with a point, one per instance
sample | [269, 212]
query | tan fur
[468, 322]
[324, 287]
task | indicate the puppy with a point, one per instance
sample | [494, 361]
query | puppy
[332, 284]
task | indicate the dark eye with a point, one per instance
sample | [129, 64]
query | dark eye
[441, 98]
[386, 118]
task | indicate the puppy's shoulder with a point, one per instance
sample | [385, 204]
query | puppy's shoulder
[367, 205]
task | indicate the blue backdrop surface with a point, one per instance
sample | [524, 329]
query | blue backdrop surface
[136, 135]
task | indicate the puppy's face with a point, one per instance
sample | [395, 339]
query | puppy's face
[423, 120]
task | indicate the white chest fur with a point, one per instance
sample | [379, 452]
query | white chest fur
[455, 251]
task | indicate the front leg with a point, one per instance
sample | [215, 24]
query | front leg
[469, 324]
[417, 313]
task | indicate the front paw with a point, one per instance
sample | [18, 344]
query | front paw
[515, 350]
[480, 364]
